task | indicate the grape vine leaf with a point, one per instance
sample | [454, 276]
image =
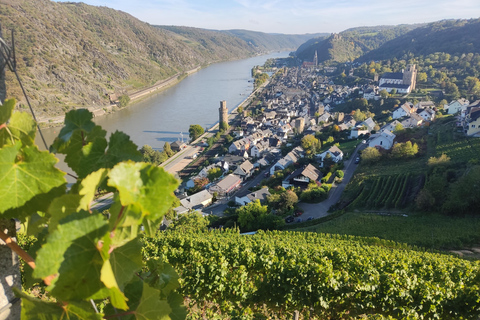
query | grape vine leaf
[126, 261]
[37, 204]
[161, 276]
[145, 185]
[89, 186]
[179, 311]
[62, 207]
[20, 127]
[72, 257]
[24, 175]
[145, 302]
[6, 110]
[124, 222]
[80, 119]
[33, 308]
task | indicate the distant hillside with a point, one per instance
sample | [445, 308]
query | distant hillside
[449, 36]
[72, 54]
[250, 41]
[351, 43]
[267, 41]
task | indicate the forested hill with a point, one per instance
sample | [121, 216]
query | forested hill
[449, 36]
[351, 43]
[220, 40]
[72, 54]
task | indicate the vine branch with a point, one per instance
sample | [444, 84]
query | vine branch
[17, 249]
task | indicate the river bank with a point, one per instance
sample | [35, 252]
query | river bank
[134, 97]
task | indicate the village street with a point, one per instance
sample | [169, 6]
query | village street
[319, 210]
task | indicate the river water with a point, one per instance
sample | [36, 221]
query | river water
[165, 116]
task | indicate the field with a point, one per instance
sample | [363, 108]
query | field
[431, 231]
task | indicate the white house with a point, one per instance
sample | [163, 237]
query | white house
[427, 114]
[405, 110]
[335, 153]
[261, 195]
[390, 126]
[197, 200]
[288, 160]
[356, 132]
[383, 140]
[457, 106]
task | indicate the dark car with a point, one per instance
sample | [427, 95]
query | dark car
[289, 219]
[357, 160]
[310, 218]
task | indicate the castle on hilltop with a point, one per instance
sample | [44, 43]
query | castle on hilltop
[403, 82]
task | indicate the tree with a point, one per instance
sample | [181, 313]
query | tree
[223, 126]
[123, 100]
[404, 150]
[168, 149]
[190, 221]
[422, 77]
[214, 173]
[195, 131]
[240, 110]
[384, 93]
[371, 154]
[359, 115]
[249, 215]
[398, 127]
[310, 144]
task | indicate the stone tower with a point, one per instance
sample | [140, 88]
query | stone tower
[315, 59]
[410, 76]
[223, 114]
[300, 125]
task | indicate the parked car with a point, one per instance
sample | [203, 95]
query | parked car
[357, 160]
[310, 218]
[298, 213]
[289, 219]
[299, 220]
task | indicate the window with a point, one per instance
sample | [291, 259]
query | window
[473, 126]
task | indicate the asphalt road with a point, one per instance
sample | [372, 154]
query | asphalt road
[319, 210]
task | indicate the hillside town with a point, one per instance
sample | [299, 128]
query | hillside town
[296, 138]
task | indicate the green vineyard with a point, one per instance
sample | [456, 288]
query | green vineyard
[387, 192]
[272, 274]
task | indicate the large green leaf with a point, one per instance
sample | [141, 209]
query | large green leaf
[39, 203]
[20, 127]
[161, 276]
[33, 309]
[145, 302]
[145, 185]
[62, 207]
[125, 261]
[89, 187]
[87, 152]
[80, 119]
[6, 110]
[72, 256]
[83, 146]
[124, 222]
[24, 175]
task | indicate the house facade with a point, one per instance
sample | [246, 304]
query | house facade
[383, 140]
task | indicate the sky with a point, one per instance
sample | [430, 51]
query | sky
[291, 16]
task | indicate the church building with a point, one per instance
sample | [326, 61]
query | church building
[403, 82]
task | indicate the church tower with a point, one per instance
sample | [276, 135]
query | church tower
[223, 114]
[410, 76]
[315, 59]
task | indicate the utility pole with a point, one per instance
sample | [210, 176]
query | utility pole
[9, 265]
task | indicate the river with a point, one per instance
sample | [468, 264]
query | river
[165, 116]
